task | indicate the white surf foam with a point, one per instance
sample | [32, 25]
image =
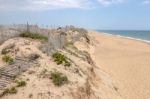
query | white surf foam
[137, 39]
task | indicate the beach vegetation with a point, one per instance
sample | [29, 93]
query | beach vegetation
[13, 77]
[61, 59]
[21, 83]
[34, 36]
[7, 49]
[58, 78]
[7, 91]
[8, 59]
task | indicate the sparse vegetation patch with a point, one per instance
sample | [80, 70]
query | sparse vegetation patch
[33, 36]
[61, 59]
[7, 91]
[13, 89]
[21, 83]
[8, 59]
[7, 49]
[58, 78]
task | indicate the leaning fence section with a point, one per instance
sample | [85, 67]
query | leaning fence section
[57, 37]
[9, 72]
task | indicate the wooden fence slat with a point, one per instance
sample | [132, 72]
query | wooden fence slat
[8, 72]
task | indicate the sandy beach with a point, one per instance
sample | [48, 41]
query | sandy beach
[127, 62]
[102, 66]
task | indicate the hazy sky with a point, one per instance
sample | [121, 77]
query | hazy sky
[94, 14]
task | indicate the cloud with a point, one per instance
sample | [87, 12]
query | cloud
[57, 4]
[109, 2]
[146, 2]
[40, 5]
[43, 4]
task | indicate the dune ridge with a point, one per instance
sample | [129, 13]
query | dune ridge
[83, 78]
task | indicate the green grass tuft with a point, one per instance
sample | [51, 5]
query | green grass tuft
[13, 90]
[58, 79]
[61, 59]
[7, 91]
[21, 83]
[7, 49]
[8, 59]
[34, 36]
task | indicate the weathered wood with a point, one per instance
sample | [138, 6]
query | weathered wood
[7, 73]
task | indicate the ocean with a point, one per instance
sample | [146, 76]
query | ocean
[142, 35]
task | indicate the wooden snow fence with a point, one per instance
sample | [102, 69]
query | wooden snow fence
[9, 72]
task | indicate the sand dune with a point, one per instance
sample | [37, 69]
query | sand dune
[127, 61]
[102, 67]
[85, 79]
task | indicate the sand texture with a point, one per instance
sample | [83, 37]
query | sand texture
[102, 67]
[128, 63]
[85, 79]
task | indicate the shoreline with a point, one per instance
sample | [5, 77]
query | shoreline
[125, 37]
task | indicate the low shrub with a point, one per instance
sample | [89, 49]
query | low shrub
[67, 64]
[8, 59]
[34, 36]
[13, 90]
[7, 91]
[13, 77]
[61, 59]
[21, 83]
[58, 79]
[7, 49]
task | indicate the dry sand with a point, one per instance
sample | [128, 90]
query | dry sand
[121, 70]
[86, 81]
[127, 61]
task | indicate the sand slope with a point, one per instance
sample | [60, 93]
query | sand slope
[127, 61]
[85, 80]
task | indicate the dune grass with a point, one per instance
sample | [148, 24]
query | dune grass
[33, 36]
[21, 83]
[7, 49]
[61, 59]
[7, 91]
[8, 59]
[58, 78]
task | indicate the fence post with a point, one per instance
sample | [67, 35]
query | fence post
[28, 28]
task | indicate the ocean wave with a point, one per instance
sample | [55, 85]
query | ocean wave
[127, 37]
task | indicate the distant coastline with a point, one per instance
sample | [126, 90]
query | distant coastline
[143, 35]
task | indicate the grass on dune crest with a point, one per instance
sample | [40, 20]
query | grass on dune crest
[34, 36]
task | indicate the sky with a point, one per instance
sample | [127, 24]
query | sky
[91, 14]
